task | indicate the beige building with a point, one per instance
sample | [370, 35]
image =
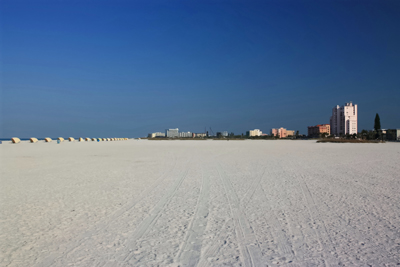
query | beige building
[282, 132]
[290, 132]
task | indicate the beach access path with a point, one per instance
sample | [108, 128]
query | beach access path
[199, 203]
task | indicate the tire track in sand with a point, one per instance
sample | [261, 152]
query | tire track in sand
[320, 227]
[190, 251]
[283, 243]
[370, 210]
[214, 249]
[152, 218]
[87, 235]
[247, 242]
[253, 187]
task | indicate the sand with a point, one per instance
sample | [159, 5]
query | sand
[199, 203]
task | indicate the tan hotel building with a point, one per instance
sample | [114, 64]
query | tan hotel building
[282, 132]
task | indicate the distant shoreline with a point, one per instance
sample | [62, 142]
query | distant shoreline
[349, 141]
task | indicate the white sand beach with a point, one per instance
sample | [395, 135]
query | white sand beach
[199, 203]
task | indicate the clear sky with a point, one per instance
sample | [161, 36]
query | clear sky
[128, 68]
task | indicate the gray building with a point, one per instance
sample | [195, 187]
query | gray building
[172, 133]
[393, 134]
[222, 134]
[185, 134]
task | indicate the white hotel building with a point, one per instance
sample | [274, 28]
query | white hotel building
[185, 134]
[172, 133]
[344, 120]
[255, 132]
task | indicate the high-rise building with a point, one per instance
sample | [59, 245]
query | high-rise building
[344, 119]
[172, 133]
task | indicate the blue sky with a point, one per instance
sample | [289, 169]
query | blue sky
[127, 68]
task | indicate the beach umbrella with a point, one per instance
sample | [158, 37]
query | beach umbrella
[33, 140]
[15, 140]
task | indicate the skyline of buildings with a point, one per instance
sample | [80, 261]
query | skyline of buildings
[175, 133]
[343, 121]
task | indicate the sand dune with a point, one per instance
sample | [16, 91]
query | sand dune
[191, 203]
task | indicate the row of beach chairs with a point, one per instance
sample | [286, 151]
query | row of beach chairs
[16, 140]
